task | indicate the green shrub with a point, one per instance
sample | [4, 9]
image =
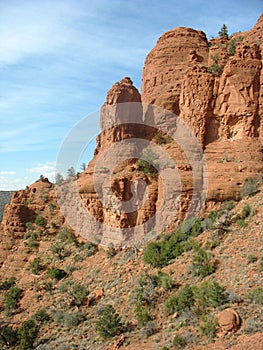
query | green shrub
[11, 299]
[210, 294]
[111, 252]
[59, 250]
[149, 329]
[256, 296]
[27, 334]
[8, 337]
[89, 249]
[261, 264]
[146, 164]
[180, 301]
[142, 315]
[52, 207]
[40, 221]
[160, 254]
[251, 258]
[7, 284]
[240, 221]
[247, 211]
[253, 325]
[189, 244]
[164, 280]
[145, 292]
[232, 48]
[201, 263]
[156, 254]
[215, 69]
[31, 240]
[69, 269]
[36, 266]
[41, 316]
[162, 139]
[68, 320]
[146, 167]
[209, 222]
[250, 188]
[67, 236]
[56, 273]
[78, 292]
[65, 286]
[179, 342]
[229, 205]
[208, 327]
[190, 227]
[48, 286]
[109, 323]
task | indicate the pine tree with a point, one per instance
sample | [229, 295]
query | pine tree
[109, 324]
[59, 179]
[223, 32]
[71, 172]
[83, 166]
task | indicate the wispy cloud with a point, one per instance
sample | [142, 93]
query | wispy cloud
[32, 27]
[47, 169]
[10, 184]
[8, 172]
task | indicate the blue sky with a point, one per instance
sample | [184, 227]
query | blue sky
[59, 58]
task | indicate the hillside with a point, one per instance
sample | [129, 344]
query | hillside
[66, 284]
[150, 260]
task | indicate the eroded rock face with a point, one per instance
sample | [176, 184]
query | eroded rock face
[197, 101]
[238, 95]
[218, 92]
[165, 66]
[175, 77]
[120, 124]
[228, 321]
[25, 206]
[123, 91]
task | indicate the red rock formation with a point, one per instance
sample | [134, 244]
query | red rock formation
[197, 101]
[165, 66]
[217, 92]
[123, 91]
[228, 321]
[221, 109]
[26, 204]
[238, 93]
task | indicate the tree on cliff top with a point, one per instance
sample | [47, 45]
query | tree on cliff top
[223, 32]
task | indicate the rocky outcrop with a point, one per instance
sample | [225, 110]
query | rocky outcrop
[197, 101]
[26, 204]
[228, 321]
[127, 177]
[216, 87]
[123, 91]
[165, 66]
[238, 95]
[213, 87]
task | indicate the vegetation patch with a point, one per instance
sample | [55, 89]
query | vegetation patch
[109, 323]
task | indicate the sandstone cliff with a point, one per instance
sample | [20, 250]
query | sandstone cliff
[207, 293]
[215, 87]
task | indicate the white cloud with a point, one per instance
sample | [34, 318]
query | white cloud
[7, 172]
[31, 28]
[11, 184]
[47, 169]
